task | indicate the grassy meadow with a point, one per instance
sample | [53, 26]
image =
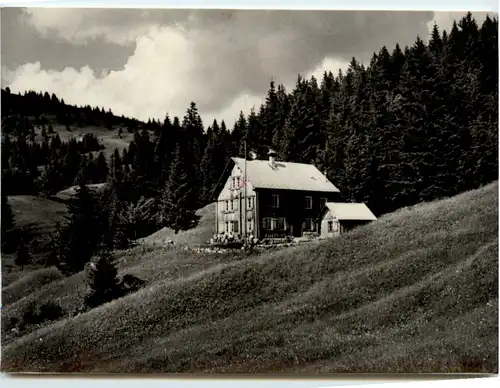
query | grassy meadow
[415, 291]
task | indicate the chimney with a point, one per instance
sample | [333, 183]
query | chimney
[272, 157]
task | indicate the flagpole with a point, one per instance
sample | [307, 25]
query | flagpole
[245, 183]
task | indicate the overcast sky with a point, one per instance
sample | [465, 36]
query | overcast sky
[146, 63]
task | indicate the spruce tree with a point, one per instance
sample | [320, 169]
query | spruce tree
[103, 281]
[164, 148]
[270, 116]
[23, 256]
[224, 146]
[176, 208]
[83, 233]
[7, 149]
[143, 158]
[301, 141]
[283, 111]
[115, 236]
[238, 134]
[7, 225]
[192, 125]
[51, 178]
[254, 135]
[101, 168]
[192, 132]
[213, 161]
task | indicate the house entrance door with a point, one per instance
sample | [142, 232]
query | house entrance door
[295, 229]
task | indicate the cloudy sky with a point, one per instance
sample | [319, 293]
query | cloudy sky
[145, 63]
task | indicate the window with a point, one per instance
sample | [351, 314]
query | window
[250, 225]
[235, 227]
[308, 202]
[322, 202]
[330, 226]
[232, 204]
[266, 223]
[234, 182]
[309, 224]
[227, 227]
[227, 205]
[279, 223]
[249, 204]
[276, 201]
[238, 182]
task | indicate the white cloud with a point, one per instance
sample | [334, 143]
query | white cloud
[157, 79]
[230, 113]
[222, 60]
[328, 64]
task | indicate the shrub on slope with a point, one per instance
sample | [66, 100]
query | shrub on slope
[395, 295]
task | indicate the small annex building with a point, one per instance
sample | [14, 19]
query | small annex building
[336, 218]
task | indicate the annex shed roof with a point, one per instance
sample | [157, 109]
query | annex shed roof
[350, 211]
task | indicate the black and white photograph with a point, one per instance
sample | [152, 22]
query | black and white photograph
[230, 191]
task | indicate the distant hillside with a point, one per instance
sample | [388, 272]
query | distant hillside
[42, 108]
[416, 291]
[39, 110]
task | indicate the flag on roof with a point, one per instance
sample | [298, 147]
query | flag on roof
[253, 154]
[241, 183]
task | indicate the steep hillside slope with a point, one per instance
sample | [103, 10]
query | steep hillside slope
[203, 232]
[28, 283]
[47, 284]
[416, 291]
[36, 213]
[36, 218]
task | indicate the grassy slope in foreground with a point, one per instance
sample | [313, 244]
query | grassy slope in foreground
[416, 291]
[47, 284]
